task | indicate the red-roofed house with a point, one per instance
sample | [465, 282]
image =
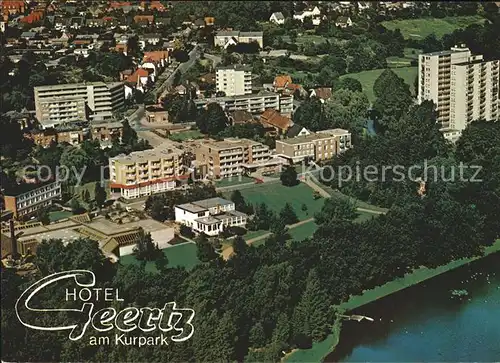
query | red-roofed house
[12, 7]
[114, 5]
[153, 5]
[32, 17]
[274, 122]
[281, 81]
[144, 19]
[159, 57]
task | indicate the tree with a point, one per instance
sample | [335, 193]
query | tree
[350, 84]
[75, 162]
[76, 207]
[239, 246]
[289, 177]
[287, 214]
[86, 195]
[43, 216]
[99, 194]
[146, 249]
[129, 135]
[205, 250]
[336, 209]
[310, 115]
[311, 316]
[213, 120]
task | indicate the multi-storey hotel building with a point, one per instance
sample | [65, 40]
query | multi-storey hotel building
[146, 172]
[464, 87]
[62, 103]
[28, 199]
[319, 146]
[231, 157]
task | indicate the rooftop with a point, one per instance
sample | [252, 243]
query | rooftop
[74, 85]
[192, 208]
[326, 134]
[228, 143]
[236, 67]
[146, 155]
[212, 202]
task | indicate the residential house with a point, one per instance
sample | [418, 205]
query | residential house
[62, 133]
[323, 93]
[28, 35]
[159, 57]
[307, 13]
[274, 122]
[210, 216]
[33, 17]
[149, 39]
[152, 5]
[281, 81]
[226, 38]
[209, 20]
[199, 23]
[144, 20]
[297, 130]
[106, 131]
[140, 78]
[343, 21]
[12, 7]
[156, 114]
[277, 18]
[240, 117]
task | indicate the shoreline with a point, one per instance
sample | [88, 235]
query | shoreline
[320, 350]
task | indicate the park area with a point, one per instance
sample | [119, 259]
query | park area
[232, 181]
[185, 135]
[368, 78]
[420, 28]
[181, 255]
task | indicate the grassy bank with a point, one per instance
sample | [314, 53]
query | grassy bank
[420, 28]
[322, 349]
[368, 78]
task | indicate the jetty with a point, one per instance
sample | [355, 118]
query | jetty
[358, 318]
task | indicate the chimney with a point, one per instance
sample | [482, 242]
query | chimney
[13, 239]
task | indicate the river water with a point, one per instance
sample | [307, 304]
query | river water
[424, 323]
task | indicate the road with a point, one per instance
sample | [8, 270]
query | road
[194, 54]
[214, 58]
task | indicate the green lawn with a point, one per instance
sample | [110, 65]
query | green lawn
[58, 215]
[303, 231]
[185, 135]
[420, 28]
[183, 255]
[368, 78]
[226, 182]
[276, 195]
[359, 203]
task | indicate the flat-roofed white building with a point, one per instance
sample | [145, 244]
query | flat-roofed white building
[209, 216]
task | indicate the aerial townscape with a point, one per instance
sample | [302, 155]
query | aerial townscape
[311, 180]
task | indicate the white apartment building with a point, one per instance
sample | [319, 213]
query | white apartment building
[234, 80]
[253, 103]
[146, 172]
[77, 101]
[209, 216]
[463, 86]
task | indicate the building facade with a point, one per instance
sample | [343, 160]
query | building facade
[318, 146]
[232, 157]
[77, 101]
[209, 216]
[464, 87]
[26, 202]
[253, 103]
[146, 172]
[234, 80]
[225, 38]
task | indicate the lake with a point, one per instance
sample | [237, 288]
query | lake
[424, 323]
